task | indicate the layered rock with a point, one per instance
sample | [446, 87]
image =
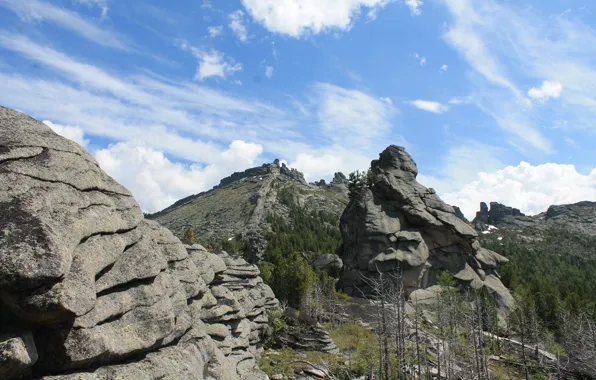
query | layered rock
[90, 288]
[305, 334]
[398, 223]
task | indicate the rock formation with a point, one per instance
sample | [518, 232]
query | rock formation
[397, 222]
[305, 334]
[577, 217]
[91, 290]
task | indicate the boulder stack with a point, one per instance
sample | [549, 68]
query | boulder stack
[396, 223]
[89, 289]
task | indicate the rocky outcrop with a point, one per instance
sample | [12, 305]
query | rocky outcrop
[577, 217]
[91, 290]
[329, 263]
[398, 223]
[305, 334]
[460, 214]
[499, 215]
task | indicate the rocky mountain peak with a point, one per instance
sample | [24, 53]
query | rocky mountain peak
[396, 160]
[399, 223]
[496, 214]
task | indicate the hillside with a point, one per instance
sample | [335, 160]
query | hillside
[552, 254]
[243, 210]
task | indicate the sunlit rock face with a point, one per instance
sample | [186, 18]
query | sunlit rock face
[91, 290]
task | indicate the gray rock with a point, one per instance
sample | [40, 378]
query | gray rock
[17, 354]
[100, 287]
[329, 263]
[305, 334]
[398, 224]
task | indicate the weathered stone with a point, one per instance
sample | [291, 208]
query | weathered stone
[17, 354]
[329, 263]
[398, 224]
[100, 287]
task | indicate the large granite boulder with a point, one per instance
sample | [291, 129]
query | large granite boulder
[398, 224]
[91, 290]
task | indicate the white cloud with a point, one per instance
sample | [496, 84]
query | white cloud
[429, 106]
[526, 187]
[355, 117]
[414, 6]
[546, 91]
[301, 17]
[444, 67]
[75, 134]
[460, 164]
[511, 45]
[212, 63]
[42, 11]
[268, 71]
[237, 25]
[386, 100]
[157, 182]
[316, 165]
[215, 31]
[167, 115]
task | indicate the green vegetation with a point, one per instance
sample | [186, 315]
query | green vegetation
[358, 344]
[285, 268]
[284, 361]
[359, 180]
[307, 229]
[556, 267]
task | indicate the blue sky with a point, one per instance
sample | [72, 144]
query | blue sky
[495, 100]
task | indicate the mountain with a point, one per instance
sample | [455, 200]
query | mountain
[246, 207]
[552, 255]
[577, 217]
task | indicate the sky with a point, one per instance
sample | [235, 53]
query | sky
[494, 99]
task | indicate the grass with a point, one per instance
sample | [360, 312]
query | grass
[284, 361]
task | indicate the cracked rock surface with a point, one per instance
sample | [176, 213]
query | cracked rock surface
[91, 290]
[399, 223]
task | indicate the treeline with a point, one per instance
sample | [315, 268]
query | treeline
[556, 267]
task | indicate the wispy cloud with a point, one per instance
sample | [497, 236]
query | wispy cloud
[421, 59]
[237, 25]
[43, 11]
[429, 106]
[414, 6]
[215, 31]
[211, 63]
[101, 4]
[268, 71]
[352, 116]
